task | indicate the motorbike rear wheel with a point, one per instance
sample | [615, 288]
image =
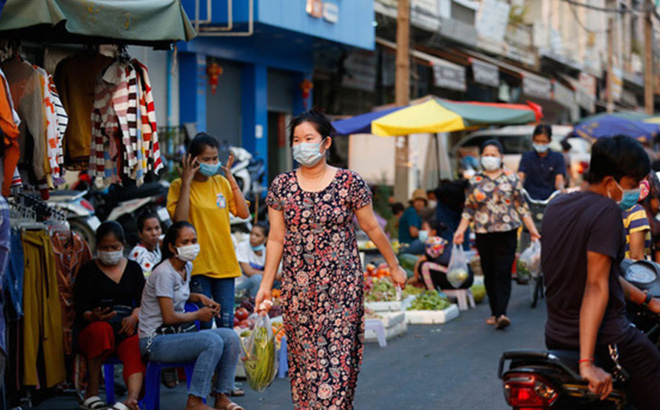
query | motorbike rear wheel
[85, 231]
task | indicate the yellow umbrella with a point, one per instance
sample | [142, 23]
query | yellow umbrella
[426, 117]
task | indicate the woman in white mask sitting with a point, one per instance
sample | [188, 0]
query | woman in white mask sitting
[496, 206]
[107, 294]
[168, 333]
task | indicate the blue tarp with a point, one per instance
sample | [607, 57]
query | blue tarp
[361, 124]
[611, 125]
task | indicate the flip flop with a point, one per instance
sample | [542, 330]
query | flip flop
[93, 403]
[233, 406]
[502, 322]
[237, 393]
[119, 406]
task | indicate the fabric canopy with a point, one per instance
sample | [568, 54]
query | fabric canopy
[610, 125]
[145, 22]
[437, 115]
[628, 115]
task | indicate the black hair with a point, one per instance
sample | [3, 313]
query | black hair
[495, 143]
[264, 227]
[201, 141]
[143, 218]
[565, 145]
[315, 117]
[451, 194]
[170, 238]
[543, 129]
[619, 156]
[397, 207]
[435, 225]
[110, 228]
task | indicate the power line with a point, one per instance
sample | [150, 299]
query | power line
[577, 20]
[620, 10]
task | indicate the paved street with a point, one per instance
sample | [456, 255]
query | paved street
[451, 366]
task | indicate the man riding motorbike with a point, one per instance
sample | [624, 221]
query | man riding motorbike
[582, 249]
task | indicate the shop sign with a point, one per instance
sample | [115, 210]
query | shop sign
[588, 84]
[315, 8]
[450, 76]
[485, 73]
[458, 31]
[519, 54]
[535, 86]
[563, 95]
[617, 83]
[360, 70]
[331, 12]
[424, 14]
[584, 100]
[629, 98]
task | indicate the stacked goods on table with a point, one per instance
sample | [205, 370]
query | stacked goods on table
[381, 304]
[430, 308]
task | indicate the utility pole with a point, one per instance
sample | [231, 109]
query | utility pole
[648, 66]
[610, 64]
[402, 97]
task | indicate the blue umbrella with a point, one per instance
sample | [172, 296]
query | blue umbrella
[610, 125]
[361, 124]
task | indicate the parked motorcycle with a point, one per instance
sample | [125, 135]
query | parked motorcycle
[551, 380]
[80, 213]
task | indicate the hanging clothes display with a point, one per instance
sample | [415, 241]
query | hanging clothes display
[75, 79]
[9, 121]
[71, 252]
[124, 129]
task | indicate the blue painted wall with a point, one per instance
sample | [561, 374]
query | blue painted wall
[354, 26]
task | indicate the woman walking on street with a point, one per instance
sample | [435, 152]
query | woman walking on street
[496, 205]
[311, 213]
[205, 200]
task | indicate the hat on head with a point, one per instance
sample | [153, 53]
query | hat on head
[418, 194]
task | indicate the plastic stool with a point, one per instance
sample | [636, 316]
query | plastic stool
[283, 365]
[152, 381]
[462, 297]
[377, 326]
[109, 376]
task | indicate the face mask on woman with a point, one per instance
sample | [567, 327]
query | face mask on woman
[490, 163]
[258, 248]
[208, 170]
[308, 154]
[187, 253]
[423, 236]
[111, 258]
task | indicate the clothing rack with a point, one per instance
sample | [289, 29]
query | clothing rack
[29, 211]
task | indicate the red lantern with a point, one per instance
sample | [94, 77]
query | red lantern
[214, 71]
[305, 87]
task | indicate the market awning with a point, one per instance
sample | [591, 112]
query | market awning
[433, 115]
[145, 22]
[609, 125]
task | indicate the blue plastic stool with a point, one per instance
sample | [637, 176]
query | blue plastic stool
[283, 365]
[109, 376]
[152, 381]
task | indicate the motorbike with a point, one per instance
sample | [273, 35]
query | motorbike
[80, 213]
[549, 380]
[249, 173]
[537, 209]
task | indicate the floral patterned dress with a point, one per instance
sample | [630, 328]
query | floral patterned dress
[322, 288]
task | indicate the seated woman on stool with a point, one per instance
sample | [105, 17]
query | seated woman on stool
[431, 268]
[107, 294]
[214, 351]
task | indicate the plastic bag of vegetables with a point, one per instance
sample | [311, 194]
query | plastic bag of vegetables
[457, 270]
[260, 359]
[529, 262]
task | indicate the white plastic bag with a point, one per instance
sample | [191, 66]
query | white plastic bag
[260, 355]
[529, 262]
[457, 270]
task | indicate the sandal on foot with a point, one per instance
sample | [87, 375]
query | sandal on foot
[502, 322]
[233, 406]
[237, 393]
[491, 321]
[93, 403]
[119, 406]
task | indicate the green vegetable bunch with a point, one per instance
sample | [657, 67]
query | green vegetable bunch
[411, 291]
[260, 356]
[382, 291]
[429, 300]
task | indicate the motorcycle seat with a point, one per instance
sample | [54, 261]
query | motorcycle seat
[567, 357]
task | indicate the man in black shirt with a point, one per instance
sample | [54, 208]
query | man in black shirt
[583, 246]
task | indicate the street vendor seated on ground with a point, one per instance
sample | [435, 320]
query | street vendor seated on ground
[431, 268]
[583, 245]
[542, 170]
[410, 223]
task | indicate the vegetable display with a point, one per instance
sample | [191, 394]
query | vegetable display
[478, 293]
[260, 359]
[429, 300]
[383, 290]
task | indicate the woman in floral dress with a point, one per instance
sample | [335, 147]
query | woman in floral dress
[496, 206]
[311, 213]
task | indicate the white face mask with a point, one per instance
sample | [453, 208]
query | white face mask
[308, 154]
[423, 236]
[111, 258]
[187, 253]
[490, 163]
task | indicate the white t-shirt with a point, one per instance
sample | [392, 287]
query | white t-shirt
[164, 282]
[146, 258]
[245, 254]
